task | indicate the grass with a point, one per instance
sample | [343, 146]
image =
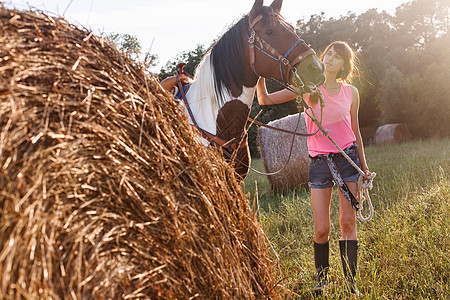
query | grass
[404, 249]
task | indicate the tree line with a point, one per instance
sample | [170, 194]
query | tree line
[403, 62]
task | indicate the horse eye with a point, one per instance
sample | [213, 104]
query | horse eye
[270, 32]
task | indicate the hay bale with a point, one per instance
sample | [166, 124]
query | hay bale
[106, 192]
[275, 148]
[391, 134]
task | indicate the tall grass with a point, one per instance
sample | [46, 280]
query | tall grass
[404, 249]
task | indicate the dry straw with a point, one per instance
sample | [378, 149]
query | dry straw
[279, 153]
[105, 190]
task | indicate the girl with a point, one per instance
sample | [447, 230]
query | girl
[340, 116]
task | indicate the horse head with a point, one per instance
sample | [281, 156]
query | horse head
[276, 51]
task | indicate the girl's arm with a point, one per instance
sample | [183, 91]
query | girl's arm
[171, 81]
[355, 127]
[274, 98]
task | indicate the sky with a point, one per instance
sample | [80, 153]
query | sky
[169, 27]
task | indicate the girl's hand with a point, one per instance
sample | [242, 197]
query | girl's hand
[368, 176]
[185, 79]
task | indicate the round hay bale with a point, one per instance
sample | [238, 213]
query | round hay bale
[391, 134]
[275, 148]
[106, 191]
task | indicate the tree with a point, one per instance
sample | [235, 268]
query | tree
[132, 47]
[394, 97]
[372, 27]
[422, 21]
[429, 109]
[314, 31]
[192, 58]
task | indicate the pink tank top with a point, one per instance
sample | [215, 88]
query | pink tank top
[336, 118]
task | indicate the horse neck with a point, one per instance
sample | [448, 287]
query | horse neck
[203, 96]
[230, 58]
[205, 79]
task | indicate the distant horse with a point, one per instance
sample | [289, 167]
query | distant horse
[221, 95]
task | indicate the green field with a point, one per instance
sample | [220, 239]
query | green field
[404, 250]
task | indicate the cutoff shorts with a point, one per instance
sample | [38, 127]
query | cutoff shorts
[319, 173]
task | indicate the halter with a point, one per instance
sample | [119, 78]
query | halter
[271, 52]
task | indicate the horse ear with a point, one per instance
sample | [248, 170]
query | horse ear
[256, 9]
[276, 5]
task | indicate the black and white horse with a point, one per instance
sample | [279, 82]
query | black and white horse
[221, 95]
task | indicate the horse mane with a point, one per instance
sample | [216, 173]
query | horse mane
[228, 57]
[220, 70]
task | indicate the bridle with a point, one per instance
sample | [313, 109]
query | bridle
[256, 41]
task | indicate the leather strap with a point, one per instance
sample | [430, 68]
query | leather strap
[302, 56]
[281, 129]
[255, 20]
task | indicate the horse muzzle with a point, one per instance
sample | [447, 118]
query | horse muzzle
[310, 70]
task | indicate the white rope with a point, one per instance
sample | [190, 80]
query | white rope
[363, 194]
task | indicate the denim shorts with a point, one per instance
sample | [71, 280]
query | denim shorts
[319, 173]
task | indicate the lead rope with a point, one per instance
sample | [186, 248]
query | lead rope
[290, 151]
[363, 185]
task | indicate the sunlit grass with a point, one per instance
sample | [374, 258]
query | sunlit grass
[404, 248]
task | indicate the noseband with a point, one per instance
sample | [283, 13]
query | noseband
[255, 41]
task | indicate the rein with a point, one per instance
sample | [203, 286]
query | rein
[290, 150]
[300, 103]
[281, 129]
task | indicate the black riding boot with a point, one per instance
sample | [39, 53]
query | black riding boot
[321, 259]
[349, 257]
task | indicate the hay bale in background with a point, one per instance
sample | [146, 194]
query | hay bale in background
[275, 147]
[105, 191]
[391, 134]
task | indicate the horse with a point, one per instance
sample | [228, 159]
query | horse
[218, 101]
